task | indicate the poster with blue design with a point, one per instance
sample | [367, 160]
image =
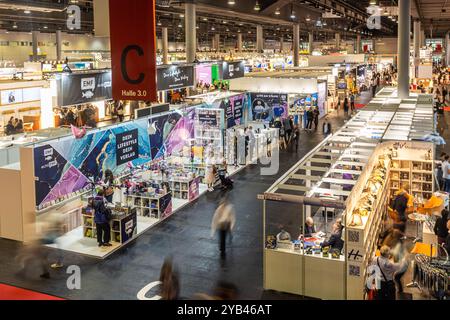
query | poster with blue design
[65, 167]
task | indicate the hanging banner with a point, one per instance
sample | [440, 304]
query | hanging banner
[175, 77]
[233, 70]
[133, 49]
[79, 88]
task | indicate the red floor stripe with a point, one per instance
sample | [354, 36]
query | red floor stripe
[13, 293]
[359, 106]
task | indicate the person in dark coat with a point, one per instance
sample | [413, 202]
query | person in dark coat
[310, 118]
[101, 219]
[9, 128]
[335, 241]
[346, 106]
[440, 227]
[316, 114]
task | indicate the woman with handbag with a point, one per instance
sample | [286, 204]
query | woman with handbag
[388, 269]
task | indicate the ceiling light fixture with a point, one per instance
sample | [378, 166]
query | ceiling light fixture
[257, 6]
[292, 12]
[27, 11]
[231, 2]
[277, 11]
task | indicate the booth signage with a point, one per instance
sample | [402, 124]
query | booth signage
[84, 88]
[206, 118]
[233, 70]
[238, 108]
[133, 52]
[127, 146]
[175, 77]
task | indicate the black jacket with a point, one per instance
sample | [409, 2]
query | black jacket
[440, 227]
[308, 231]
[447, 243]
[335, 241]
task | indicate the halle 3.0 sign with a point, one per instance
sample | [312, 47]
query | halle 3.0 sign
[133, 49]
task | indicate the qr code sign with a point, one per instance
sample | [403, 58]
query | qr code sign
[354, 271]
[353, 236]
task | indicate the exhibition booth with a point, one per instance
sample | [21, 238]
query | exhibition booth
[23, 99]
[82, 97]
[158, 163]
[282, 94]
[345, 185]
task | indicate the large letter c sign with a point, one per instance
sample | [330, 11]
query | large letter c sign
[123, 64]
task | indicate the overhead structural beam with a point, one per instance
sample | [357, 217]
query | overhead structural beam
[419, 9]
[256, 18]
[276, 5]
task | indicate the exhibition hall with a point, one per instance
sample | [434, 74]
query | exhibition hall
[253, 150]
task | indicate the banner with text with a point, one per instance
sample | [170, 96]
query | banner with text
[79, 88]
[175, 77]
[133, 49]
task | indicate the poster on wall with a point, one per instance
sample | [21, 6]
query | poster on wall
[268, 106]
[133, 52]
[79, 88]
[175, 77]
[234, 110]
[170, 133]
[127, 146]
[203, 74]
[11, 96]
[165, 205]
[322, 98]
[128, 228]
[66, 167]
[20, 95]
[194, 189]
[233, 70]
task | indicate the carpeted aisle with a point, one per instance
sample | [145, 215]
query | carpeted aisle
[14, 293]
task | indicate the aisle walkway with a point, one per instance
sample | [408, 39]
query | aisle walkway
[185, 236]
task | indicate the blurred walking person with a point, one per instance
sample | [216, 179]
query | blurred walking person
[170, 284]
[223, 223]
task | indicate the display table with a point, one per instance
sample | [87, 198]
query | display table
[419, 219]
[325, 276]
[184, 188]
[123, 224]
[151, 205]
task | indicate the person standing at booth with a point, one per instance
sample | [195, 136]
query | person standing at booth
[102, 217]
[401, 206]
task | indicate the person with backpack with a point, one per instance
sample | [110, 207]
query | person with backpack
[102, 217]
[223, 222]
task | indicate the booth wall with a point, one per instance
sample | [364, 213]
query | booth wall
[323, 61]
[28, 195]
[277, 85]
[11, 225]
